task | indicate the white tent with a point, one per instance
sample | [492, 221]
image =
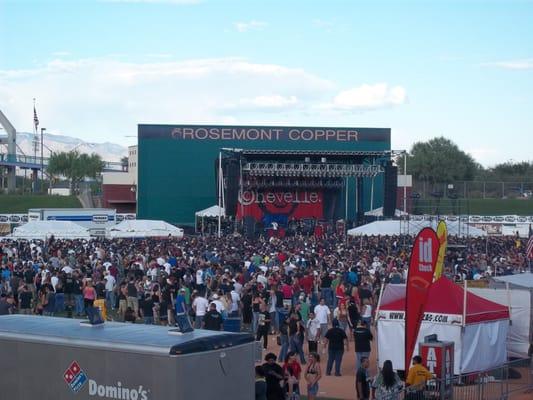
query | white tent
[396, 227]
[483, 325]
[378, 212]
[516, 291]
[142, 228]
[43, 230]
[213, 211]
[210, 212]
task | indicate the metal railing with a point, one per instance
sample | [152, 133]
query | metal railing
[495, 384]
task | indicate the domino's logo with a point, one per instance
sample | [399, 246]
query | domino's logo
[75, 377]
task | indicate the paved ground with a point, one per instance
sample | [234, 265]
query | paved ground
[343, 387]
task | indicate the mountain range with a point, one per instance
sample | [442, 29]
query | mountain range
[58, 143]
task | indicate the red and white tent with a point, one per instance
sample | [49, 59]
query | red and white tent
[479, 331]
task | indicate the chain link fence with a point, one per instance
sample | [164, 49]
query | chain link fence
[475, 190]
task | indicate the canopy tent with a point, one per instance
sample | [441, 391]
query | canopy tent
[482, 325]
[141, 228]
[378, 212]
[516, 291]
[213, 211]
[210, 212]
[396, 227]
[43, 230]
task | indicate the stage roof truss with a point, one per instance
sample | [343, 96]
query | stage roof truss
[311, 170]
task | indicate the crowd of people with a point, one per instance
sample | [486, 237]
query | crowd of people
[314, 296]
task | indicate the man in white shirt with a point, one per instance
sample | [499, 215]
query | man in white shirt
[199, 306]
[312, 329]
[110, 283]
[322, 314]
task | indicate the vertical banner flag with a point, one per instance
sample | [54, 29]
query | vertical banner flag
[419, 280]
[442, 234]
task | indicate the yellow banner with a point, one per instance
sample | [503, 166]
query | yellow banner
[442, 234]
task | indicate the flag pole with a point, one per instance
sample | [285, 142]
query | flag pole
[219, 193]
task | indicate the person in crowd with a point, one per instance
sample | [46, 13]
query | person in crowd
[293, 371]
[312, 333]
[199, 306]
[387, 385]
[284, 338]
[263, 326]
[274, 378]
[7, 304]
[313, 374]
[182, 317]
[89, 294]
[256, 309]
[322, 313]
[341, 314]
[147, 308]
[132, 298]
[213, 319]
[260, 383]
[335, 340]
[416, 380]
[362, 337]
[362, 385]
[296, 334]
[25, 300]
[366, 313]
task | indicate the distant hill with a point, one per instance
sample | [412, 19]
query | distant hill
[108, 151]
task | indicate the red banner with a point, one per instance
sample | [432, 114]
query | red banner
[291, 204]
[419, 280]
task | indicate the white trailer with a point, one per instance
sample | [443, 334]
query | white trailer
[96, 220]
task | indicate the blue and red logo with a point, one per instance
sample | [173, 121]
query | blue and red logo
[75, 377]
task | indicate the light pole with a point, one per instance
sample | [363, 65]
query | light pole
[42, 159]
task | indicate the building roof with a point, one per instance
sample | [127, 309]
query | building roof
[137, 338]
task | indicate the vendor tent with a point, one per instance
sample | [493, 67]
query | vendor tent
[43, 230]
[396, 227]
[515, 291]
[483, 325]
[142, 228]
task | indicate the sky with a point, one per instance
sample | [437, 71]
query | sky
[97, 68]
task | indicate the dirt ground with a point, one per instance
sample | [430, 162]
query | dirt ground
[343, 387]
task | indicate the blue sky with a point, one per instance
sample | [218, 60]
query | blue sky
[461, 69]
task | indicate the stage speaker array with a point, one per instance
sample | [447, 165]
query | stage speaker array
[249, 227]
[390, 190]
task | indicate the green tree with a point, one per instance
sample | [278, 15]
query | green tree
[125, 162]
[75, 166]
[439, 160]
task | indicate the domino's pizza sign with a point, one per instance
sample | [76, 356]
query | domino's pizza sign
[75, 377]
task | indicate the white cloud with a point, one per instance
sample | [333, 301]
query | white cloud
[105, 99]
[250, 25]
[512, 64]
[367, 97]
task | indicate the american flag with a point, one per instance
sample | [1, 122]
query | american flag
[35, 119]
[529, 247]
